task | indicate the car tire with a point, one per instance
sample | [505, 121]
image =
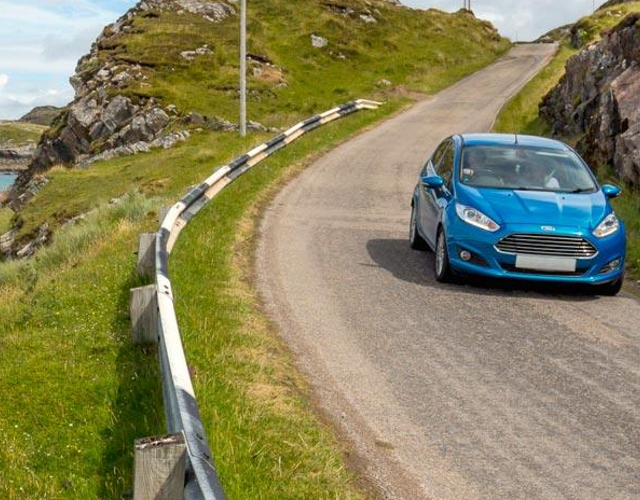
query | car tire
[611, 289]
[415, 240]
[442, 266]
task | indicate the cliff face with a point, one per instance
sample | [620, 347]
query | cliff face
[598, 100]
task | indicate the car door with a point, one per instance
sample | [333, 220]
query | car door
[433, 200]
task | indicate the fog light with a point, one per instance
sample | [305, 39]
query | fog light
[466, 256]
[614, 265]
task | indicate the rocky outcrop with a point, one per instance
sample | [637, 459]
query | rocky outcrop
[598, 100]
[101, 123]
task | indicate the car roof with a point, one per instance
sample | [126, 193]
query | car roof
[511, 140]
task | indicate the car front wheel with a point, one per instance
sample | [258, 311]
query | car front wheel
[442, 266]
[611, 289]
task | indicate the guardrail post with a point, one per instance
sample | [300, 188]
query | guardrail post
[146, 255]
[144, 315]
[162, 213]
[159, 468]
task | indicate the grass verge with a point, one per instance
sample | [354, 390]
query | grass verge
[74, 392]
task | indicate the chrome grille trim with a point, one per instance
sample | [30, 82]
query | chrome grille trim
[547, 244]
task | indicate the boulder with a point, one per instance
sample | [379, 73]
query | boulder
[40, 239]
[117, 112]
[318, 42]
[190, 55]
[598, 100]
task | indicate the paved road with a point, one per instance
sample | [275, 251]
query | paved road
[446, 392]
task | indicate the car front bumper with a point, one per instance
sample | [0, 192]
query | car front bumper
[488, 261]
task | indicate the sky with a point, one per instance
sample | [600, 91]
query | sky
[41, 40]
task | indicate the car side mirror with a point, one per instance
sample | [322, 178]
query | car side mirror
[611, 191]
[432, 181]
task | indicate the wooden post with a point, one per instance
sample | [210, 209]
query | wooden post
[147, 255]
[162, 213]
[144, 315]
[159, 468]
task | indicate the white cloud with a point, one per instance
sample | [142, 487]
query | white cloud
[40, 43]
[4, 80]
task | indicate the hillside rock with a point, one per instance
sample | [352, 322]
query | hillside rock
[598, 100]
[318, 42]
[42, 115]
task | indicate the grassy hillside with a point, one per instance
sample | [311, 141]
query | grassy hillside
[413, 50]
[75, 392]
[520, 115]
[16, 134]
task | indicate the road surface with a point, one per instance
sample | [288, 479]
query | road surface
[446, 391]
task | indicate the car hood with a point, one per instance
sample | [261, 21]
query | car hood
[537, 207]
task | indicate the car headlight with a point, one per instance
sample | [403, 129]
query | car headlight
[476, 218]
[608, 226]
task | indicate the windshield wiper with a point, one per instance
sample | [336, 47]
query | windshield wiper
[580, 190]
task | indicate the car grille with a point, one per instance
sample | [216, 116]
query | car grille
[547, 244]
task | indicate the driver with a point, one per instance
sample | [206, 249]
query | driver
[476, 161]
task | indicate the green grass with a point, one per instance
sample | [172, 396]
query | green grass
[627, 207]
[75, 392]
[418, 49]
[591, 27]
[6, 216]
[17, 134]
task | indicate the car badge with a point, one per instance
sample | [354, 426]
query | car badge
[548, 228]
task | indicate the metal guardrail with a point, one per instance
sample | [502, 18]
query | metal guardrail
[181, 407]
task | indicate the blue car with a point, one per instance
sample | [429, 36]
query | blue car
[518, 207]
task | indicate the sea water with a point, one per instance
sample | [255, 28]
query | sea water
[6, 179]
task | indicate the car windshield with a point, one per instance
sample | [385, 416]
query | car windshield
[525, 168]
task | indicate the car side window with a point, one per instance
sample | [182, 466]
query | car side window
[445, 167]
[437, 157]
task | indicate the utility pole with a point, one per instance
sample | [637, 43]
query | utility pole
[243, 68]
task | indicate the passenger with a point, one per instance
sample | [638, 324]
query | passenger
[541, 176]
